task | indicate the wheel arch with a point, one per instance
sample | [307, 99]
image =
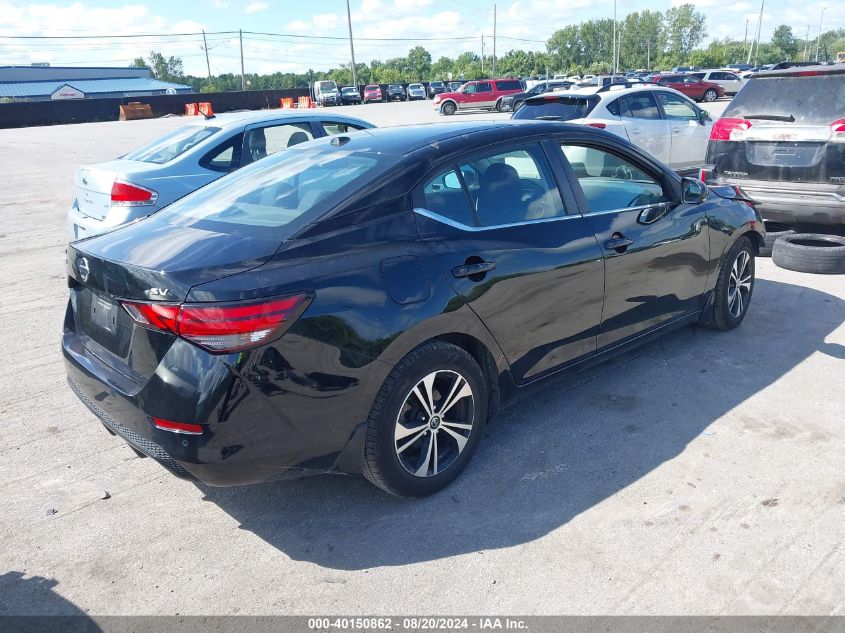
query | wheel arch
[445, 101]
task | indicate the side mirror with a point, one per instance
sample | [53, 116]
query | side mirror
[694, 191]
[703, 116]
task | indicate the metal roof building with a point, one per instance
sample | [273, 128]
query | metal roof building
[44, 83]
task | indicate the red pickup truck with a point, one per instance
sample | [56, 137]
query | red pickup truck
[484, 94]
[691, 86]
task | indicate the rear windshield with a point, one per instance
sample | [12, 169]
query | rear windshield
[811, 100]
[267, 196]
[560, 109]
[166, 148]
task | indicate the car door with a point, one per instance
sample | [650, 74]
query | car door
[656, 250]
[729, 81]
[689, 134]
[675, 83]
[644, 123]
[510, 241]
[264, 139]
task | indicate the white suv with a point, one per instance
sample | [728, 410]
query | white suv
[662, 121]
[728, 79]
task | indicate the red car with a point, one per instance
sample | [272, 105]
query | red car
[486, 93]
[691, 86]
[372, 93]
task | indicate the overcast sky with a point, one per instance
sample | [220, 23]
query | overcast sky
[411, 21]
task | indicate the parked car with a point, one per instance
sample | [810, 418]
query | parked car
[395, 92]
[152, 176]
[416, 91]
[738, 68]
[436, 88]
[691, 86]
[364, 304]
[661, 121]
[454, 86]
[512, 102]
[485, 94]
[372, 92]
[326, 93]
[730, 82]
[350, 96]
[782, 138]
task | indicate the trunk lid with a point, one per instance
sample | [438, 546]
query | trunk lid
[93, 184]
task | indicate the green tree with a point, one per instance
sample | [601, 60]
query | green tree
[784, 40]
[643, 39]
[419, 63]
[565, 49]
[165, 68]
[138, 62]
[441, 68]
[685, 29]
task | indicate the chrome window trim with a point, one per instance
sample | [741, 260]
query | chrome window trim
[431, 215]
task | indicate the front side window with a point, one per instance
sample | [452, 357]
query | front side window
[676, 107]
[610, 182]
[264, 141]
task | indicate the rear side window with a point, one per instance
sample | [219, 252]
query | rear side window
[564, 108]
[171, 145]
[333, 128]
[225, 157]
[638, 106]
[508, 85]
[810, 100]
[264, 141]
[445, 196]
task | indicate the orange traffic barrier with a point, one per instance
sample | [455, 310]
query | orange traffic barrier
[205, 108]
[191, 109]
[305, 102]
[286, 102]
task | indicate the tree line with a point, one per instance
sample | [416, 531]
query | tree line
[646, 39]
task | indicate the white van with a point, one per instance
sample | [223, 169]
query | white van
[326, 93]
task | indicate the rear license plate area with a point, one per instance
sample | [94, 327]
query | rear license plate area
[104, 313]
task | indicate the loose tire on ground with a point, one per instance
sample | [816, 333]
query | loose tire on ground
[734, 277]
[774, 231]
[811, 253]
[399, 415]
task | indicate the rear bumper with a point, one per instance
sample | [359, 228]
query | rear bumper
[277, 418]
[793, 203]
[82, 226]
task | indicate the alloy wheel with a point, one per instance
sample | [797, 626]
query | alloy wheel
[739, 284]
[434, 423]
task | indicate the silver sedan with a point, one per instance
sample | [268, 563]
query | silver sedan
[151, 177]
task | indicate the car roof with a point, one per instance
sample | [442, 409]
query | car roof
[234, 119]
[437, 138]
[819, 69]
[622, 89]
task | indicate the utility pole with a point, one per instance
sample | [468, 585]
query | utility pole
[614, 38]
[648, 54]
[351, 45]
[745, 39]
[806, 42]
[243, 77]
[757, 38]
[205, 48]
[819, 38]
[494, 41]
[482, 54]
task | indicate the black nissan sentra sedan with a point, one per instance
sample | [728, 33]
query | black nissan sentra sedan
[365, 303]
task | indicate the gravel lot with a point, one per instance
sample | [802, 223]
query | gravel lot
[700, 474]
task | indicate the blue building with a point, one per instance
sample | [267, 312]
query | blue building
[45, 83]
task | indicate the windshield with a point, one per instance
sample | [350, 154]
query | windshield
[272, 196]
[349, 90]
[437, 84]
[166, 148]
[415, 86]
[560, 109]
[394, 87]
[327, 86]
[811, 100]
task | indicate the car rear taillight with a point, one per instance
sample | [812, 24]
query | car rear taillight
[600, 126]
[837, 131]
[222, 327]
[705, 173]
[127, 194]
[729, 129]
[177, 427]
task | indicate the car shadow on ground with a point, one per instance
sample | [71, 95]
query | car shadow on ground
[556, 452]
[31, 604]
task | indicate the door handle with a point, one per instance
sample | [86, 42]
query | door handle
[470, 270]
[618, 243]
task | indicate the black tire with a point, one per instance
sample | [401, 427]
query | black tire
[499, 105]
[774, 231]
[449, 108]
[517, 105]
[710, 95]
[719, 314]
[382, 465]
[811, 253]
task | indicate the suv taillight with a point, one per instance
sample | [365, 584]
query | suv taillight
[729, 129]
[221, 328]
[129, 195]
[837, 131]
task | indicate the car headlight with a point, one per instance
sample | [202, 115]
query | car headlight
[436, 98]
